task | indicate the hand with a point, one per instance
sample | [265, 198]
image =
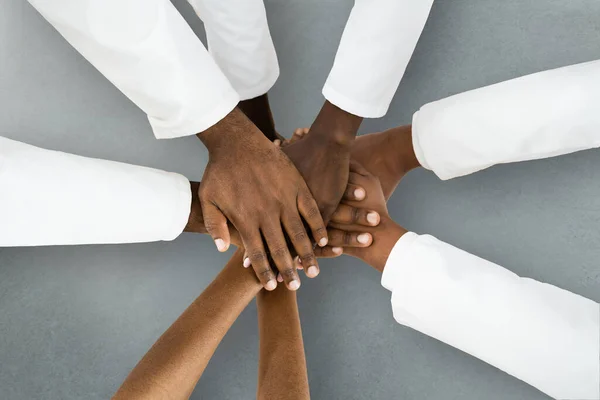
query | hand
[251, 183]
[343, 223]
[196, 221]
[323, 157]
[388, 155]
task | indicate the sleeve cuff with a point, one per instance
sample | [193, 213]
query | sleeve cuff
[181, 213]
[416, 143]
[193, 121]
[352, 106]
[399, 258]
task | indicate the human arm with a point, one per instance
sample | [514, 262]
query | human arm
[54, 198]
[541, 334]
[157, 62]
[536, 116]
[175, 363]
[282, 363]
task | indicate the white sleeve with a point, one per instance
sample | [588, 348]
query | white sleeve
[536, 116]
[148, 51]
[240, 42]
[543, 335]
[376, 46]
[53, 198]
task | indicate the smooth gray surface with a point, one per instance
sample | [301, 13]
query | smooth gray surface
[75, 320]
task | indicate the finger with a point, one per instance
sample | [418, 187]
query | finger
[216, 225]
[340, 238]
[310, 212]
[280, 254]
[257, 257]
[354, 192]
[349, 215]
[356, 167]
[329, 251]
[277, 142]
[301, 242]
[246, 259]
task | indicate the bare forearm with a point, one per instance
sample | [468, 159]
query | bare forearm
[258, 110]
[173, 365]
[282, 364]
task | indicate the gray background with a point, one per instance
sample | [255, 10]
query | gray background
[75, 320]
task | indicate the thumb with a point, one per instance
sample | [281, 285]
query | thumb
[216, 225]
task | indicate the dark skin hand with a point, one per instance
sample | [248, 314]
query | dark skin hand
[252, 184]
[343, 214]
[389, 155]
[384, 235]
[323, 157]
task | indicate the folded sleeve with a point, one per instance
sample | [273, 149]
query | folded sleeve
[240, 42]
[376, 46]
[53, 198]
[148, 51]
[536, 116]
[543, 335]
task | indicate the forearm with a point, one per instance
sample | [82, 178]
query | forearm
[54, 198]
[177, 360]
[543, 335]
[540, 115]
[376, 46]
[335, 125]
[282, 364]
[258, 110]
[157, 62]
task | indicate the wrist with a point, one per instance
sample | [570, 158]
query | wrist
[401, 140]
[232, 130]
[335, 125]
[195, 220]
[384, 243]
[258, 110]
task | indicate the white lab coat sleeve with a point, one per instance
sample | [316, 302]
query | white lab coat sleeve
[53, 198]
[148, 51]
[536, 116]
[543, 335]
[376, 46]
[239, 41]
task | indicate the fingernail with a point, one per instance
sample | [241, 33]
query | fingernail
[373, 218]
[279, 278]
[294, 285]
[337, 250]
[312, 271]
[277, 142]
[271, 285]
[323, 242]
[359, 193]
[246, 262]
[220, 245]
[363, 238]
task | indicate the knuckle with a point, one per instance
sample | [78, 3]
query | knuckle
[313, 213]
[258, 256]
[355, 214]
[309, 257]
[264, 275]
[347, 238]
[288, 273]
[279, 252]
[299, 236]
